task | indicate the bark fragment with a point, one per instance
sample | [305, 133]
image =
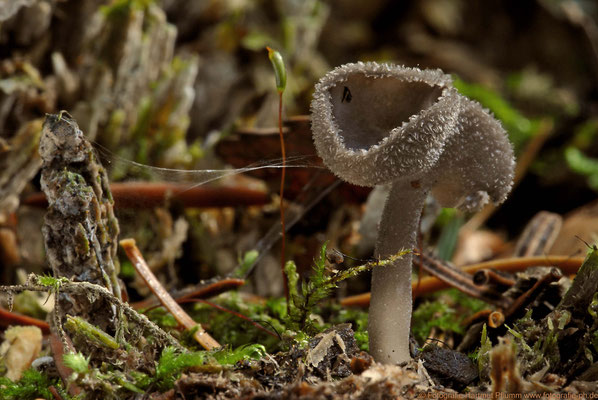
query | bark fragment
[80, 229]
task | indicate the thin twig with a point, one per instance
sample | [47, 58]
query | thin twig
[52, 389]
[430, 284]
[461, 280]
[520, 302]
[8, 318]
[154, 194]
[200, 291]
[486, 277]
[135, 256]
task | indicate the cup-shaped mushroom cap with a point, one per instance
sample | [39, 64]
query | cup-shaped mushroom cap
[373, 123]
[477, 164]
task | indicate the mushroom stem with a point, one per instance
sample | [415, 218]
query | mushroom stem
[390, 304]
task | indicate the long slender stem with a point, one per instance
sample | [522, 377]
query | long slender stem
[390, 306]
[282, 178]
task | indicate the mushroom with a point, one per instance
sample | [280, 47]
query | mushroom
[381, 124]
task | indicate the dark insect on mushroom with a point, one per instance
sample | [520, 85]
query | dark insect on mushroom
[346, 95]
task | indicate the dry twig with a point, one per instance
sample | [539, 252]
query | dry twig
[202, 337]
[430, 284]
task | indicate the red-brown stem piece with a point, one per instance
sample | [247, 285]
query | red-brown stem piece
[64, 371]
[8, 318]
[154, 194]
[136, 258]
[54, 392]
[200, 292]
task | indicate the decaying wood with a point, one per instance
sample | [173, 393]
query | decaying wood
[80, 229]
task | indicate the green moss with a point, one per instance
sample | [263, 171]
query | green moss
[319, 286]
[77, 362]
[50, 281]
[171, 364]
[161, 317]
[32, 385]
[77, 325]
[127, 271]
[236, 332]
[245, 352]
[445, 311]
[434, 314]
[28, 303]
[482, 356]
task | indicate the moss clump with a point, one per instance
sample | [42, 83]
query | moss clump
[446, 312]
[32, 385]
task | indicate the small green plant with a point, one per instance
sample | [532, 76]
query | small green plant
[32, 385]
[251, 351]
[172, 363]
[226, 327]
[483, 354]
[245, 263]
[77, 362]
[434, 314]
[303, 298]
[446, 312]
[49, 281]
[77, 325]
[114, 383]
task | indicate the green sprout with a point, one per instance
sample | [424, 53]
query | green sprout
[280, 71]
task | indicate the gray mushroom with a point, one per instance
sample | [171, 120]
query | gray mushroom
[381, 124]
